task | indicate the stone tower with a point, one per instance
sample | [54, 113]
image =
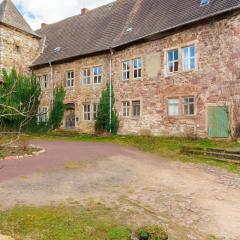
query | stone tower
[19, 44]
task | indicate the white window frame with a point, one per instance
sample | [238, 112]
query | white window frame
[187, 59]
[98, 76]
[133, 112]
[87, 112]
[45, 81]
[42, 116]
[173, 61]
[188, 104]
[126, 70]
[173, 107]
[86, 79]
[70, 78]
[95, 111]
[137, 68]
[126, 109]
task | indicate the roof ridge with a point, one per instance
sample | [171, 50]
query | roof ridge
[79, 15]
[10, 16]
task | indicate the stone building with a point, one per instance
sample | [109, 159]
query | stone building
[171, 64]
[19, 44]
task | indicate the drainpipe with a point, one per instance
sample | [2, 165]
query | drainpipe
[110, 94]
[51, 81]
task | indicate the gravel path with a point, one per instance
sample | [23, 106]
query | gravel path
[194, 201]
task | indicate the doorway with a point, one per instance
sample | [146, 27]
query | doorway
[70, 119]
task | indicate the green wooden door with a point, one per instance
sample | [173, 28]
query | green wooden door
[217, 122]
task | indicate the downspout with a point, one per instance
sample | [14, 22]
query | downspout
[110, 92]
[51, 81]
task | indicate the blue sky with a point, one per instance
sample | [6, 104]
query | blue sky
[49, 11]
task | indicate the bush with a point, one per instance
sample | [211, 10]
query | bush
[102, 123]
[57, 112]
[153, 232]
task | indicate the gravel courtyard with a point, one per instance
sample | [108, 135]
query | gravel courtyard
[193, 201]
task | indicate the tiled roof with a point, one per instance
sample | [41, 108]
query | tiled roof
[9, 15]
[122, 22]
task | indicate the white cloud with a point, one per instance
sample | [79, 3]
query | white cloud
[50, 11]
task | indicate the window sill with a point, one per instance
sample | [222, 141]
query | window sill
[137, 79]
[183, 116]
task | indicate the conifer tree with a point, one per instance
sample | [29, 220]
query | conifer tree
[103, 123]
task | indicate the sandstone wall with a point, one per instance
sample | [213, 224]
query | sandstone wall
[217, 59]
[79, 94]
[17, 49]
[217, 46]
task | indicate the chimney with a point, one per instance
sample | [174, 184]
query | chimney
[84, 11]
[43, 25]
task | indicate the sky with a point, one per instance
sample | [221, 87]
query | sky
[50, 11]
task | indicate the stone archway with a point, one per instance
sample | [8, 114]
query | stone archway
[70, 119]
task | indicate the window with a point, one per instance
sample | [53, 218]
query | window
[97, 75]
[173, 61]
[126, 70]
[87, 112]
[173, 107]
[126, 109]
[188, 58]
[137, 68]
[204, 2]
[42, 114]
[87, 76]
[70, 79]
[18, 49]
[136, 108]
[45, 81]
[188, 105]
[95, 111]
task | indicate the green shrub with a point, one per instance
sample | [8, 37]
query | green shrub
[19, 100]
[57, 112]
[103, 124]
[153, 232]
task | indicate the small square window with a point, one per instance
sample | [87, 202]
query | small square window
[126, 66]
[126, 109]
[86, 74]
[188, 58]
[137, 68]
[173, 61]
[45, 81]
[95, 111]
[42, 116]
[136, 108]
[173, 107]
[188, 105]
[97, 75]
[70, 79]
[87, 112]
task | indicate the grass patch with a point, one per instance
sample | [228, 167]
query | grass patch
[72, 165]
[16, 151]
[169, 147]
[63, 223]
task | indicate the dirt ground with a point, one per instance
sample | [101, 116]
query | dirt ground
[193, 201]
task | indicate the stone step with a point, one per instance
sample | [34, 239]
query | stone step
[215, 154]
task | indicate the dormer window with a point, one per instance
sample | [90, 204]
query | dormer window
[57, 49]
[204, 2]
